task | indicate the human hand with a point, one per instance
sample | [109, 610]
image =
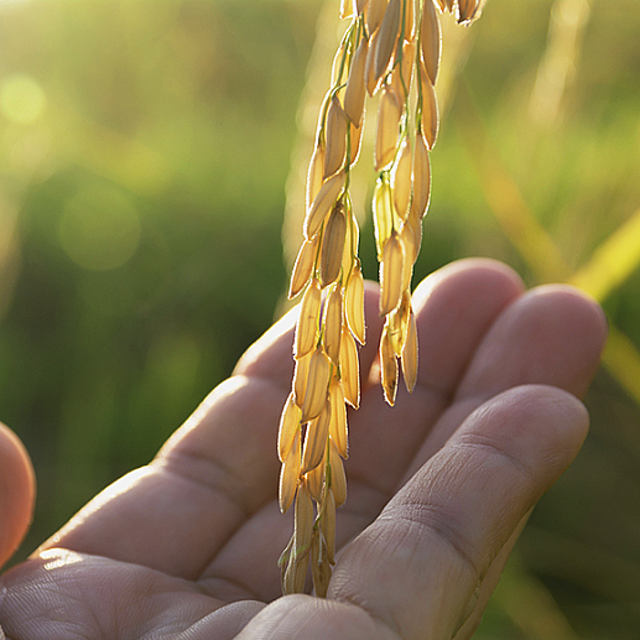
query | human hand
[439, 487]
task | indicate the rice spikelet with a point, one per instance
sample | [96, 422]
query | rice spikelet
[317, 385]
[391, 267]
[354, 304]
[315, 440]
[333, 245]
[323, 203]
[307, 325]
[289, 427]
[332, 323]
[431, 41]
[356, 84]
[336, 138]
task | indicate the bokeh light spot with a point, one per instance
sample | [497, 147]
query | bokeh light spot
[22, 99]
[99, 228]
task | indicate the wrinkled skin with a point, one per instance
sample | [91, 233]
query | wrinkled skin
[439, 487]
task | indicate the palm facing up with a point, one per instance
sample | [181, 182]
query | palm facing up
[439, 487]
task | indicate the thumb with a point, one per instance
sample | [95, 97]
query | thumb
[17, 492]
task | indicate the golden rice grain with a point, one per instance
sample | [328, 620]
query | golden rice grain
[415, 222]
[338, 430]
[355, 141]
[386, 43]
[354, 303]
[401, 179]
[314, 175]
[332, 324]
[323, 203]
[410, 21]
[389, 115]
[294, 578]
[430, 116]
[288, 428]
[328, 524]
[315, 482]
[338, 477]
[430, 40]
[371, 80]
[336, 138]
[351, 242]
[289, 474]
[349, 369]
[421, 181]
[346, 9]
[408, 239]
[303, 267]
[356, 84]
[410, 355]
[467, 10]
[333, 245]
[308, 320]
[320, 567]
[300, 377]
[388, 367]
[398, 322]
[315, 440]
[317, 385]
[383, 213]
[303, 521]
[391, 267]
[375, 13]
[403, 73]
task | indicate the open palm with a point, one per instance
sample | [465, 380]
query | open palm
[439, 487]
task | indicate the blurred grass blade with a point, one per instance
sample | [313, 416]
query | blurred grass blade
[507, 203]
[622, 359]
[612, 262]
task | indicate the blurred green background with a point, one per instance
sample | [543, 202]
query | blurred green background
[144, 152]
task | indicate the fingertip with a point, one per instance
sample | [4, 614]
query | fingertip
[468, 273]
[17, 492]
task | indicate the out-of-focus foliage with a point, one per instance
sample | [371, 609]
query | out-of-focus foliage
[144, 149]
